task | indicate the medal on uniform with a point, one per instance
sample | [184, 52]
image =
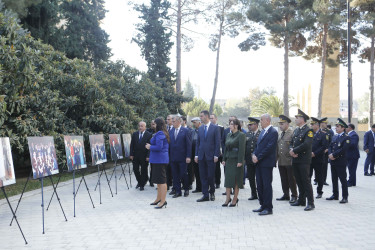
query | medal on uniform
[339, 144]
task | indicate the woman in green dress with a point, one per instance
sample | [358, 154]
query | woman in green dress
[233, 161]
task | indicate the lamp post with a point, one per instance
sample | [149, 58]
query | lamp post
[349, 66]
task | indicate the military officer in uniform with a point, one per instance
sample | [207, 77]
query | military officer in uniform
[329, 133]
[251, 143]
[319, 145]
[284, 160]
[337, 155]
[300, 150]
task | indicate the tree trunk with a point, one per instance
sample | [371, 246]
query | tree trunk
[217, 65]
[324, 59]
[178, 66]
[286, 76]
[372, 80]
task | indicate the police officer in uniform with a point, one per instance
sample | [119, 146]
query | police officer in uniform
[285, 161]
[300, 150]
[251, 143]
[194, 137]
[337, 155]
[329, 133]
[319, 145]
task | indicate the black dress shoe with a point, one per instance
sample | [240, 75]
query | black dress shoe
[155, 203]
[297, 203]
[212, 197]
[253, 197]
[372, 173]
[137, 186]
[186, 193]
[258, 210]
[233, 205]
[283, 198]
[197, 191]
[172, 192]
[367, 174]
[265, 212]
[217, 186]
[294, 199]
[309, 207]
[203, 199]
[318, 196]
[332, 198]
[227, 203]
[315, 183]
[190, 187]
[350, 185]
[164, 205]
[151, 184]
[344, 200]
[141, 188]
[176, 195]
[325, 184]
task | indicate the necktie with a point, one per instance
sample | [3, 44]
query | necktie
[261, 134]
[282, 134]
[140, 136]
[175, 134]
[205, 131]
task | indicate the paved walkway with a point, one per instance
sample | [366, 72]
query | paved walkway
[127, 221]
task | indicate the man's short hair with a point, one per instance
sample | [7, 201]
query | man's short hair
[183, 118]
[214, 115]
[329, 126]
[351, 125]
[206, 113]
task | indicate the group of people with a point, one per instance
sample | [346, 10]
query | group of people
[178, 155]
[43, 160]
[75, 154]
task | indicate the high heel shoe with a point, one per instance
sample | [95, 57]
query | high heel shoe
[155, 203]
[165, 204]
[226, 204]
[233, 205]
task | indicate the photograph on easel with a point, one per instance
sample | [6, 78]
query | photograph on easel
[127, 138]
[7, 176]
[97, 146]
[75, 152]
[116, 148]
[43, 156]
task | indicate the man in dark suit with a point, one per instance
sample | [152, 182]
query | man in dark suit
[352, 155]
[369, 148]
[207, 154]
[327, 129]
[265, 157]
[319, 145]
[213, 119]
[179, 155]
[300, 149]
[169, 170]
[194, 138]
[337, 153]
[139, 154]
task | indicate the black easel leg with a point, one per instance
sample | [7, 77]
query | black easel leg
[79, 184]
[123, 173]
[74, 192]
[98, 178]
[130, 175]
[83, 177]
[110, 178]
[13, 213]
[41, 180]
[115, 177]
[106, 176]
[54, 189]
[58, 181]
[100, 190]
[23, 191]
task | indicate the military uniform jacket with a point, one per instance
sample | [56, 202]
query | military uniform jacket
[194, 138]
[251, 144]
[319, 145]
[283, 143]
[338, 148]
[301, 144]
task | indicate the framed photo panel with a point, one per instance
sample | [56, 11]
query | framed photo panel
[7, 176]
[75, 152]
[43, 156]
[127, 139]
[98, 154]
[116, 147]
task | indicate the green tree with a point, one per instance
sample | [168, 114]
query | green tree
[286, 21]
[19, 6]
[188, 90]
[194, 107]
[270, 104]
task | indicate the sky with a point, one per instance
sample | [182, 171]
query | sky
[238, 71]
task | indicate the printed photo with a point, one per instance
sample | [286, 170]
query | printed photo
[43, 156]
[75, 152]
[115, 145]
[97, 146]
[127, 138]
[7, 176]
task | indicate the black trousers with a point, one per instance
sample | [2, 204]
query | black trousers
[301, 172]
[198, 183]
[218, 171]
[251, 170]
[169, 176]
[140, 171]
[264, 184]
[150, 174]
[325, 167]
[288, 181]
[317, 166]
[338, 172]
[190, 170]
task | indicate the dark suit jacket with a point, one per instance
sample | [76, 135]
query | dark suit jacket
[137, 148]
[266, 148]
[180, 149]
[223, 139]
[353, 151]
[210, 146]
[368, 142]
